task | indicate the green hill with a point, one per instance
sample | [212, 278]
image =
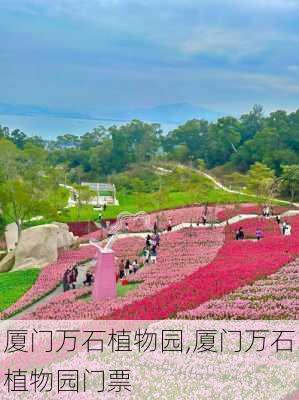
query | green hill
[151, 188]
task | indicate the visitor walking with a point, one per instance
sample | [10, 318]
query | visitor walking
[153, 254]
[127, 267]
[121, 269]
[266, 211]
[88, 278]
[169, 225]
[73, 276]
[240, 234]
[288, 230]
[135, 266]
[155, 227]
[145, 255]
[157, 237]
[278, 219]
[284, 227]
[66, 281]
[148, 241]
[258, 234]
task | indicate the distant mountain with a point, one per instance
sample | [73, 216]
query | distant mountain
[31, 111]
[168, 113]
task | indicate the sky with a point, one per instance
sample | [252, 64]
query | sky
[97, 56]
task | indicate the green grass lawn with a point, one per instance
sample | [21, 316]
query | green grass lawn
[14, 284]
[120, 289]
[123, 290]
[86, 213]
[143, 189]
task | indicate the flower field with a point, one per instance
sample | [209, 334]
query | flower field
[128, 248]
[200, 272]
[195, 251]
[274, 297]
[232, 211]
[177, 216]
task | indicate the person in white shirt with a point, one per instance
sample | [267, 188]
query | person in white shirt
[288, 230]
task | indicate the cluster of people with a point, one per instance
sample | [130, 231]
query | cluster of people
[149, 252]
[70, 278]
[240, 235]
[127, 268]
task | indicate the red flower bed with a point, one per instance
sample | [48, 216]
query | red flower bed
[232, 211]
[269, 227]
[82, 228]
[99, 234]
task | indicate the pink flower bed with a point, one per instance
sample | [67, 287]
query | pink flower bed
[177, 216]
[50, 278]
[274, 297]
[128, 248]
[179, 255]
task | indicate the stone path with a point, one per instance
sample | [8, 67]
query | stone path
[184, 225]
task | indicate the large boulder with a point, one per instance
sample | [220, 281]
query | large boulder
[11, 236]
[37, 246]
[7, 262]
[65, 239]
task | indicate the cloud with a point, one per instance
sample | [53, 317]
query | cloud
[101, 53]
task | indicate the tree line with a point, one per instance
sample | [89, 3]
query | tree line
[265, 147]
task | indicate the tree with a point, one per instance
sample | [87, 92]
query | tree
[67, 141]
[222, 141]
[179, 153]
[2, 225]
[20, 201]
[18, 137]
[94, 138]
[8, 160]
[4, 132]
[290, 180]
[191, 135]
[252, 122]
[201, 164]
[260, 179]
[83, 195]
